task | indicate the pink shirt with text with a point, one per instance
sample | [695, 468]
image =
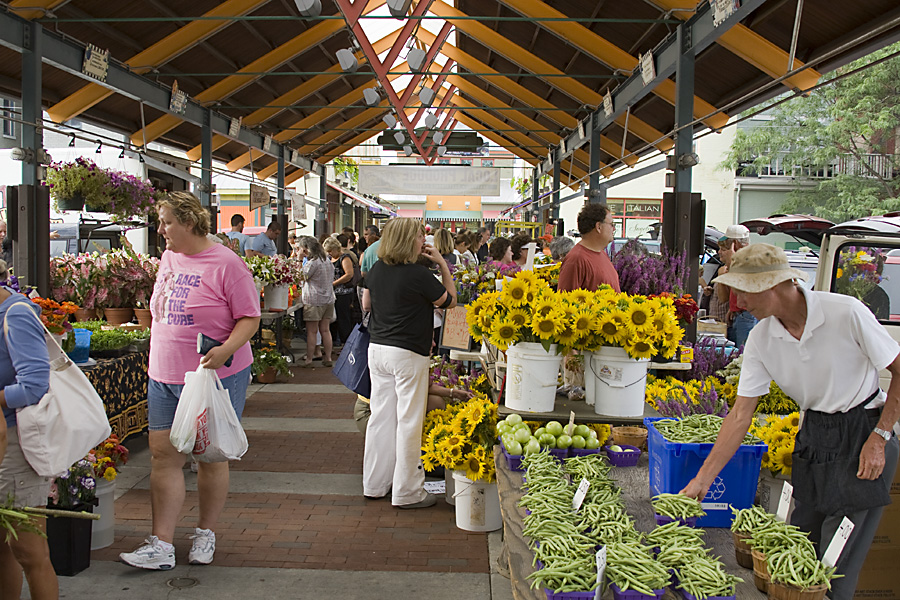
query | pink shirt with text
[202, 293]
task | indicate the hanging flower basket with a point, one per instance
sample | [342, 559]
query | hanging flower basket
[73, 202]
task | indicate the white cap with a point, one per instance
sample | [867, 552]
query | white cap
[737, 232]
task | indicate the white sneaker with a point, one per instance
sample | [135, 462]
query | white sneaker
[203, 548]
[150, 556]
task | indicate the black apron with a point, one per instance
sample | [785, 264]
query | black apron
[826, 460]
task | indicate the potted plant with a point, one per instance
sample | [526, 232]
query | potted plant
[143, 289]
[77, 184]
[129, 196]
[55, 317]
[268, 363]
[70, 538]
[75, 278]
[107, 460]
[111, 343]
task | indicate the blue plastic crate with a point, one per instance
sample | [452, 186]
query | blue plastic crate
[673, 465]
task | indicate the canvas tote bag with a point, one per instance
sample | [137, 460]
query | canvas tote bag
[68, 421]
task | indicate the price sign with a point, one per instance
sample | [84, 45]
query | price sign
[648, 69]
[267, 143]
[234, 128]
[580, 493]
[833, 552]
[178, 100]
[259, 196]
[570, 428]
[607, 105]
[784, 503]
[455, 330]
[96, 62]
[722, 9]
[601, 571]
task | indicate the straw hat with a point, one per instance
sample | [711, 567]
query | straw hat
[757, 268]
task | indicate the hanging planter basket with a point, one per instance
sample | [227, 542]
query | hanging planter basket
[74, 202]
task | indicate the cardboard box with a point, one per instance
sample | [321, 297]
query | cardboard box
[878, 579]
[895, 486]
[888, 533]
[710, 326]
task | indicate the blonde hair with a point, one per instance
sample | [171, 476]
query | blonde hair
[443, 242]
[400, 241]
[331, 244]
[187, 210]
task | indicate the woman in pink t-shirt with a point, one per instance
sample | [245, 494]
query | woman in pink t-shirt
[202, 287]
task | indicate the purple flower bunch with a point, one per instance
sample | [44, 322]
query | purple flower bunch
[708, 359]
[678, 403]
[74, 487]
[644, 273]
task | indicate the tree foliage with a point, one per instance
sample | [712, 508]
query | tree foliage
[345, 164]
[853, 123]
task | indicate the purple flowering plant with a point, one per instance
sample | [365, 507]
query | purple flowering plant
[709, 358]
[679, 404]
[74, 487]
[644, 273]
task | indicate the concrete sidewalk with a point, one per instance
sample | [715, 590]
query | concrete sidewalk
[296, 524]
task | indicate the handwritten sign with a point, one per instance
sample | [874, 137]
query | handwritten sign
[259, 196]
[96, 62]
[833, 552]
[455, 331]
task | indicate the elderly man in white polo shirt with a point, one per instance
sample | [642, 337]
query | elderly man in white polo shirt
[825, 351]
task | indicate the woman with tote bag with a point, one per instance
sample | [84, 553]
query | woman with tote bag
[24, 378]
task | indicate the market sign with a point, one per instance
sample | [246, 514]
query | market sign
[96, 62]
[423, 181]
[259, 196]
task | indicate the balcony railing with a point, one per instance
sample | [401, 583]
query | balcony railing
[867, 165]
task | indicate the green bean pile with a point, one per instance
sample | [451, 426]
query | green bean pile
[705, 576]
[630, 566]
[695, 429]
[749, 520]
[777, 535]
[798, 567]
[677, 506]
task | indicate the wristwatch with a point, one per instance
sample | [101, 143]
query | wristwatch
[885, 434]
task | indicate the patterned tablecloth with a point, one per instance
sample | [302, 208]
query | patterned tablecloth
[122, 384]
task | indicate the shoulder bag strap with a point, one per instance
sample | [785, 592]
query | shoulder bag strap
[62, 359]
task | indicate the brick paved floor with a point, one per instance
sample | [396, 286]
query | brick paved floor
[308, 531]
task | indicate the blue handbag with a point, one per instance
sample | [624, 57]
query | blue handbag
[352, 366]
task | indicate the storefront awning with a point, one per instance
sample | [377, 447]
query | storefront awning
[453, 215]
[363, 201]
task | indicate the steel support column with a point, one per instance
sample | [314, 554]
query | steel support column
[554, 207]
[595, 192]
[683, 212]
[205, 186]
[282, 217]
[321, 225]
[32, 134]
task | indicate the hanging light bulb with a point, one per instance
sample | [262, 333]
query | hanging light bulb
[399, 8]
[430, 120]
[407, 150]
[347, 60]
[309, 8]
[438, 137]
[442, 150]
[370, 95]
[426, 96]
[399, 137]
[389, 120]
[415, 59]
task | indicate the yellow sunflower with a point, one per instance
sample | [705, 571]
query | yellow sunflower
[475, 469]
[639, 349]
[504, 333]
[519, 316]
[639, 316]
[608, 327]
[515, 292]
[581, 297]
[782, 459]
[792, 420]
[567, 335]
[530, 278]
[547, 326]
[582, 322]
[544, 305]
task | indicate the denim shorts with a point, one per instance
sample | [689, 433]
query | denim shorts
[162, 398]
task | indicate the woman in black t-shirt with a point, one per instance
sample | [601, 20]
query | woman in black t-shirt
[401, 296]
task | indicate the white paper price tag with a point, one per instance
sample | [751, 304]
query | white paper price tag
[784, 503]
[607, 105]
[648, 68]
[570, 428]
[601, 570]
[580, 493]
[529, 261]
[833, 552]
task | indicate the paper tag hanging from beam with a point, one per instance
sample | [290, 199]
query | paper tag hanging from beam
[178, 100]
[295, 156]
[608, 105]
[234, 128]
[722, 9]
[267, 143]
[259, 196]
[96, 62]
[648, 69]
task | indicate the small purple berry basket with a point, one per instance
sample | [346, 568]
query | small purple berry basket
[624, 459]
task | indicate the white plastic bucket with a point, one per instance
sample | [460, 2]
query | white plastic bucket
[103, 531]
[532, 375]
[619, 382]
[449, 487]
[477, 504]
[276, 297]
[590, 388]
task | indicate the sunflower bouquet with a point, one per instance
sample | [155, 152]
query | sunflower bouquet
[529, 310]
[779, 434]
[461, 437]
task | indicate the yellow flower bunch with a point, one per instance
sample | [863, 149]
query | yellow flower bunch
[779, 434]
[529, 310]
[660, 388]
[461, 437]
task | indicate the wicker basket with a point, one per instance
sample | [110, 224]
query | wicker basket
[744, 559]
[780, 591]
[760, 566]
[630, 436]
[762, 582]
[740, 541]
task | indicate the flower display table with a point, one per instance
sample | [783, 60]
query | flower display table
[122, 384]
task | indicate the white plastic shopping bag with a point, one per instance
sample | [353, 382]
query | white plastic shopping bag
[216, 434]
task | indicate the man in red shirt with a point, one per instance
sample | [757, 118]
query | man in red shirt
[587, 265]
